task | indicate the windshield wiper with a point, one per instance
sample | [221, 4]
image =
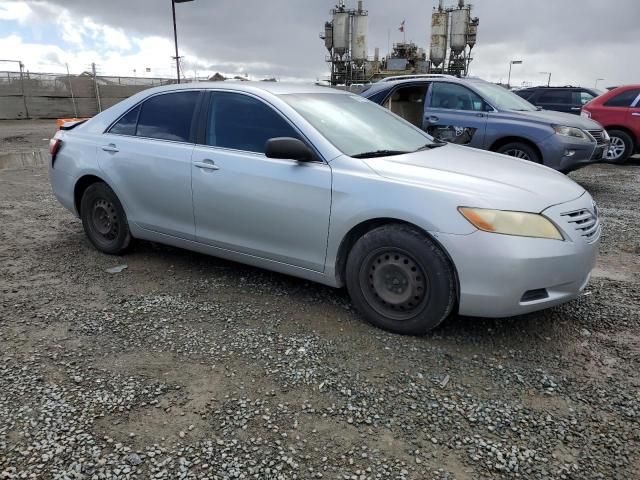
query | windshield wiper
[379, 153]
[432, 145]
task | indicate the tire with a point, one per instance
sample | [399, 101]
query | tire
[400, 280]
[520, 150]
[621, 147]
[104, 219]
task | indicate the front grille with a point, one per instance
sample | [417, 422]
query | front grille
[585, 222]
[598, 135]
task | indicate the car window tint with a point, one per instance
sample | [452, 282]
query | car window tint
[168, 116]
[556, 96]
[455, 97]
[624, 99]
[244, 123]
[408, 102]
[127, 124]
[585, 97]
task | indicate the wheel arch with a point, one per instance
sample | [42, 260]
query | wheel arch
[628, 131]
[81, 186]
[501, 142]
[359, 230]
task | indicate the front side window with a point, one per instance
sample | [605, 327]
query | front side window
[408, 102]
[563, 97]
[585, 97]
[624, 99]
[241, 122]
[168, 116]
[127, 124]
[355, 125]
[455, 97]
[501, 98]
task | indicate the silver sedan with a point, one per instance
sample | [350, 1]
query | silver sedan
[328, 186]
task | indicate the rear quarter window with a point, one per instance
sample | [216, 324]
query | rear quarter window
[624, 99]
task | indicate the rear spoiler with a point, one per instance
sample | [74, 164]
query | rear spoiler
[71, 123]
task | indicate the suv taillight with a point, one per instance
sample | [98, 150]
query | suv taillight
[54, 148]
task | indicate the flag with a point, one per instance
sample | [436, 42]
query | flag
[402, 26]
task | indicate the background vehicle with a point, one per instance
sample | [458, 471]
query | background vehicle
[330, 187]
[619, 112]
[484, 115]
[560, 99]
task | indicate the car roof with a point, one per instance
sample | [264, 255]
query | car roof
[275, 88]
[381, 86]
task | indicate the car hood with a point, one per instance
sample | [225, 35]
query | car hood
[549, 117]
[481, 178]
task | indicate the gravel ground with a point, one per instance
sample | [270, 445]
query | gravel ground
[186, 366]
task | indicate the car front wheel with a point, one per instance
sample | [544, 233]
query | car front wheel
[620, 148]
[400, 280]
[521, 151]
[104, 219]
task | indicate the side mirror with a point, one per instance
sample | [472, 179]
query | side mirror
[287, 148]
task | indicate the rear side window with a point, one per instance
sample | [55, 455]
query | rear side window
[526, 94]
[241, 122]
[127, 124]
[584, 97]
[168, 116]
[624, 99]
[408, 102]
[556, 96]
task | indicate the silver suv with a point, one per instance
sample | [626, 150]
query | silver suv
[483, 115]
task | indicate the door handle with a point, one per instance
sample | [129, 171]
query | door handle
[111, 148]
[207, 165]
[635, 114]
[576, 108]
[432, 119]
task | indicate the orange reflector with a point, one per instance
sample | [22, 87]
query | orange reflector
[477, 220]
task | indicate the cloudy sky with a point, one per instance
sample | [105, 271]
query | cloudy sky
[577, 40]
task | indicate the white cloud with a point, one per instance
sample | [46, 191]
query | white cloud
[15, 11]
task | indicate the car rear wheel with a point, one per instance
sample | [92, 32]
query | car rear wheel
[520, 150]
[104, 220]
[621, 147]
[400, 280]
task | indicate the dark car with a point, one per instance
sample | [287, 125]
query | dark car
[559, 99]
[472, 112]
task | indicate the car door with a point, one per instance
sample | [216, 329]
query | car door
[146, 155]
[634, 118]
[248, 203]
[456, 114]
[559, 100]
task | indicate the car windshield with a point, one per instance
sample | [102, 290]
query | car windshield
[356, 126]
[501, 98]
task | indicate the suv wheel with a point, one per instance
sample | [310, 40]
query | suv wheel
[400, 280]
[104, 220]
[621, 147]
[521, 151]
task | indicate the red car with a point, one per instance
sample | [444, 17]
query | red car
[618, 111]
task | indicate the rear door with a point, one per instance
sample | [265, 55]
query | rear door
[559, 100]
[146, 156]
[456, 114]
[634, 119]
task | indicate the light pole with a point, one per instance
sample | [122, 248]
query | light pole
[511, 64]
[598, 80]
[175, 33]
[549, 79]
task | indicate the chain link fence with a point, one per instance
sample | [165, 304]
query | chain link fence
[48, 95]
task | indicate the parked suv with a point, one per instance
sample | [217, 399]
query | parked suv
[559, 99]
[484, 115]
[619, 112]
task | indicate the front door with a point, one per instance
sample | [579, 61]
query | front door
[248, 203]
[147, 155]
[455, 114]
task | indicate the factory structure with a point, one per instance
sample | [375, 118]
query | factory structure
[453, 35]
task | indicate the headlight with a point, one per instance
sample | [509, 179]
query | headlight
[571, 132]
[585, 114]
[511, 223]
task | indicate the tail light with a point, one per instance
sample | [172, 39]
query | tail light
[54, 148]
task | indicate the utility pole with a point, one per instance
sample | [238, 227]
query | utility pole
[95, 84]
[175, 34]
[73, 98]
[511, 64]
[548, 79]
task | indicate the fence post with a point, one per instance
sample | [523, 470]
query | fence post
[24, 96]
[95, 83]
[73, 98]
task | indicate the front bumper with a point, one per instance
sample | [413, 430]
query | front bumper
[565, 154]
[498, 273]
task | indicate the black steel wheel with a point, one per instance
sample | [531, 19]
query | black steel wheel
[400, 280]
[104, 219]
